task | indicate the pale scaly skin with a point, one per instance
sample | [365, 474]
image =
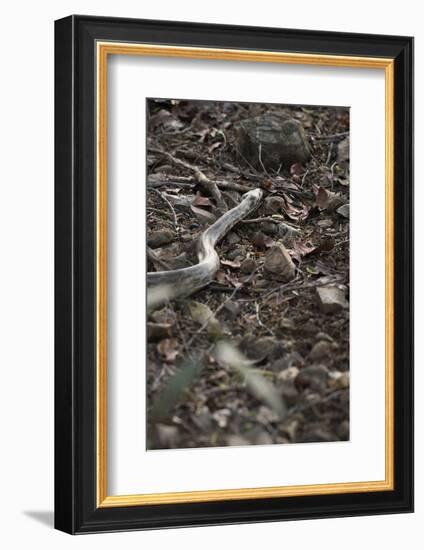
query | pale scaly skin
[163, 286]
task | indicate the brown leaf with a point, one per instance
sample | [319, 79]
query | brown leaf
[297, 169]
[301, 250]
[168, 349]
[199, 200]
[234, 264]
[326, 245]
[221, 277]
[261, 241]
[327, 200]
[214, 146]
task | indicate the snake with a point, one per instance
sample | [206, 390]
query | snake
[163, 286]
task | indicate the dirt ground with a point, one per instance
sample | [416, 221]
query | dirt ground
[294, 384]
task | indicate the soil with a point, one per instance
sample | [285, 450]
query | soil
[294, 348]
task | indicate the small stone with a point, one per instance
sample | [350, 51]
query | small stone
[331, 299]
[158, 331]
[257, 349]
[321, 350]
[261, 437]
[343, 150]
[232, 238]
[288, 374]
[343, 431]
[159, 238]
[261, 241]
[204, 217]
[343, 210]
[278, 264]
[167, 435]
[292, 359]
[313, 378]
[237, 441]
[317, 435]
[324, 336]
[289, 393]
[273, 205]
[340, 380]
[231, 310]
[248, 266]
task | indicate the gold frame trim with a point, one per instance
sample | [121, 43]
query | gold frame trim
[103, 50]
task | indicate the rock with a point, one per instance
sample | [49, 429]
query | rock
[237, 441]
[321, 350]
[340, 380]
[278, 264]
[343, 210]
[289, 393]
[261, 241]
[232, 238]
[313, 378]
[288, 374]
[159, 238]
[257, 349]
[331, 299]
[248, 266]
[167, 435]
[158, 331]
[261, 437]
[343, 150]
[204, 217]
[270, 141]
[273, 205]
[291, 359]
[166, 315]
[324, 336]
[343, 430]
[231, 310]
[317, 435]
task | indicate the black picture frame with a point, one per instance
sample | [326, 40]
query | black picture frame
[76, 509]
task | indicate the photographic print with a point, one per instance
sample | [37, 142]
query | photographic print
[247, 259]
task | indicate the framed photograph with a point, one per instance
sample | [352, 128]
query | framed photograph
[234, 274]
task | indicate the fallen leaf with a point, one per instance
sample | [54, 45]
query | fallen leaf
[327, 200]
[203, 315]
[235, 264]
[199, 200]
[204, 217]
[262, 389]
[168, 349]
[261, 241]
[301, 250]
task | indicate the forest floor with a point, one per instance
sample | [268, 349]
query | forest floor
[295, 350]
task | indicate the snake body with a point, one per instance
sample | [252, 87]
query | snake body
[163, 286]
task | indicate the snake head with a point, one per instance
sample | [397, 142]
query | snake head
[254, 196]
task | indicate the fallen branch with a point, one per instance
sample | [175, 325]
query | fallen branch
[208, 185]
[166, 201]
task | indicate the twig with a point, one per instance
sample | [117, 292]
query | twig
[332, 137]
[209, 185]
[174, 215]
[232, 186]
[164, 183]
[260, 323]
[154, 258]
